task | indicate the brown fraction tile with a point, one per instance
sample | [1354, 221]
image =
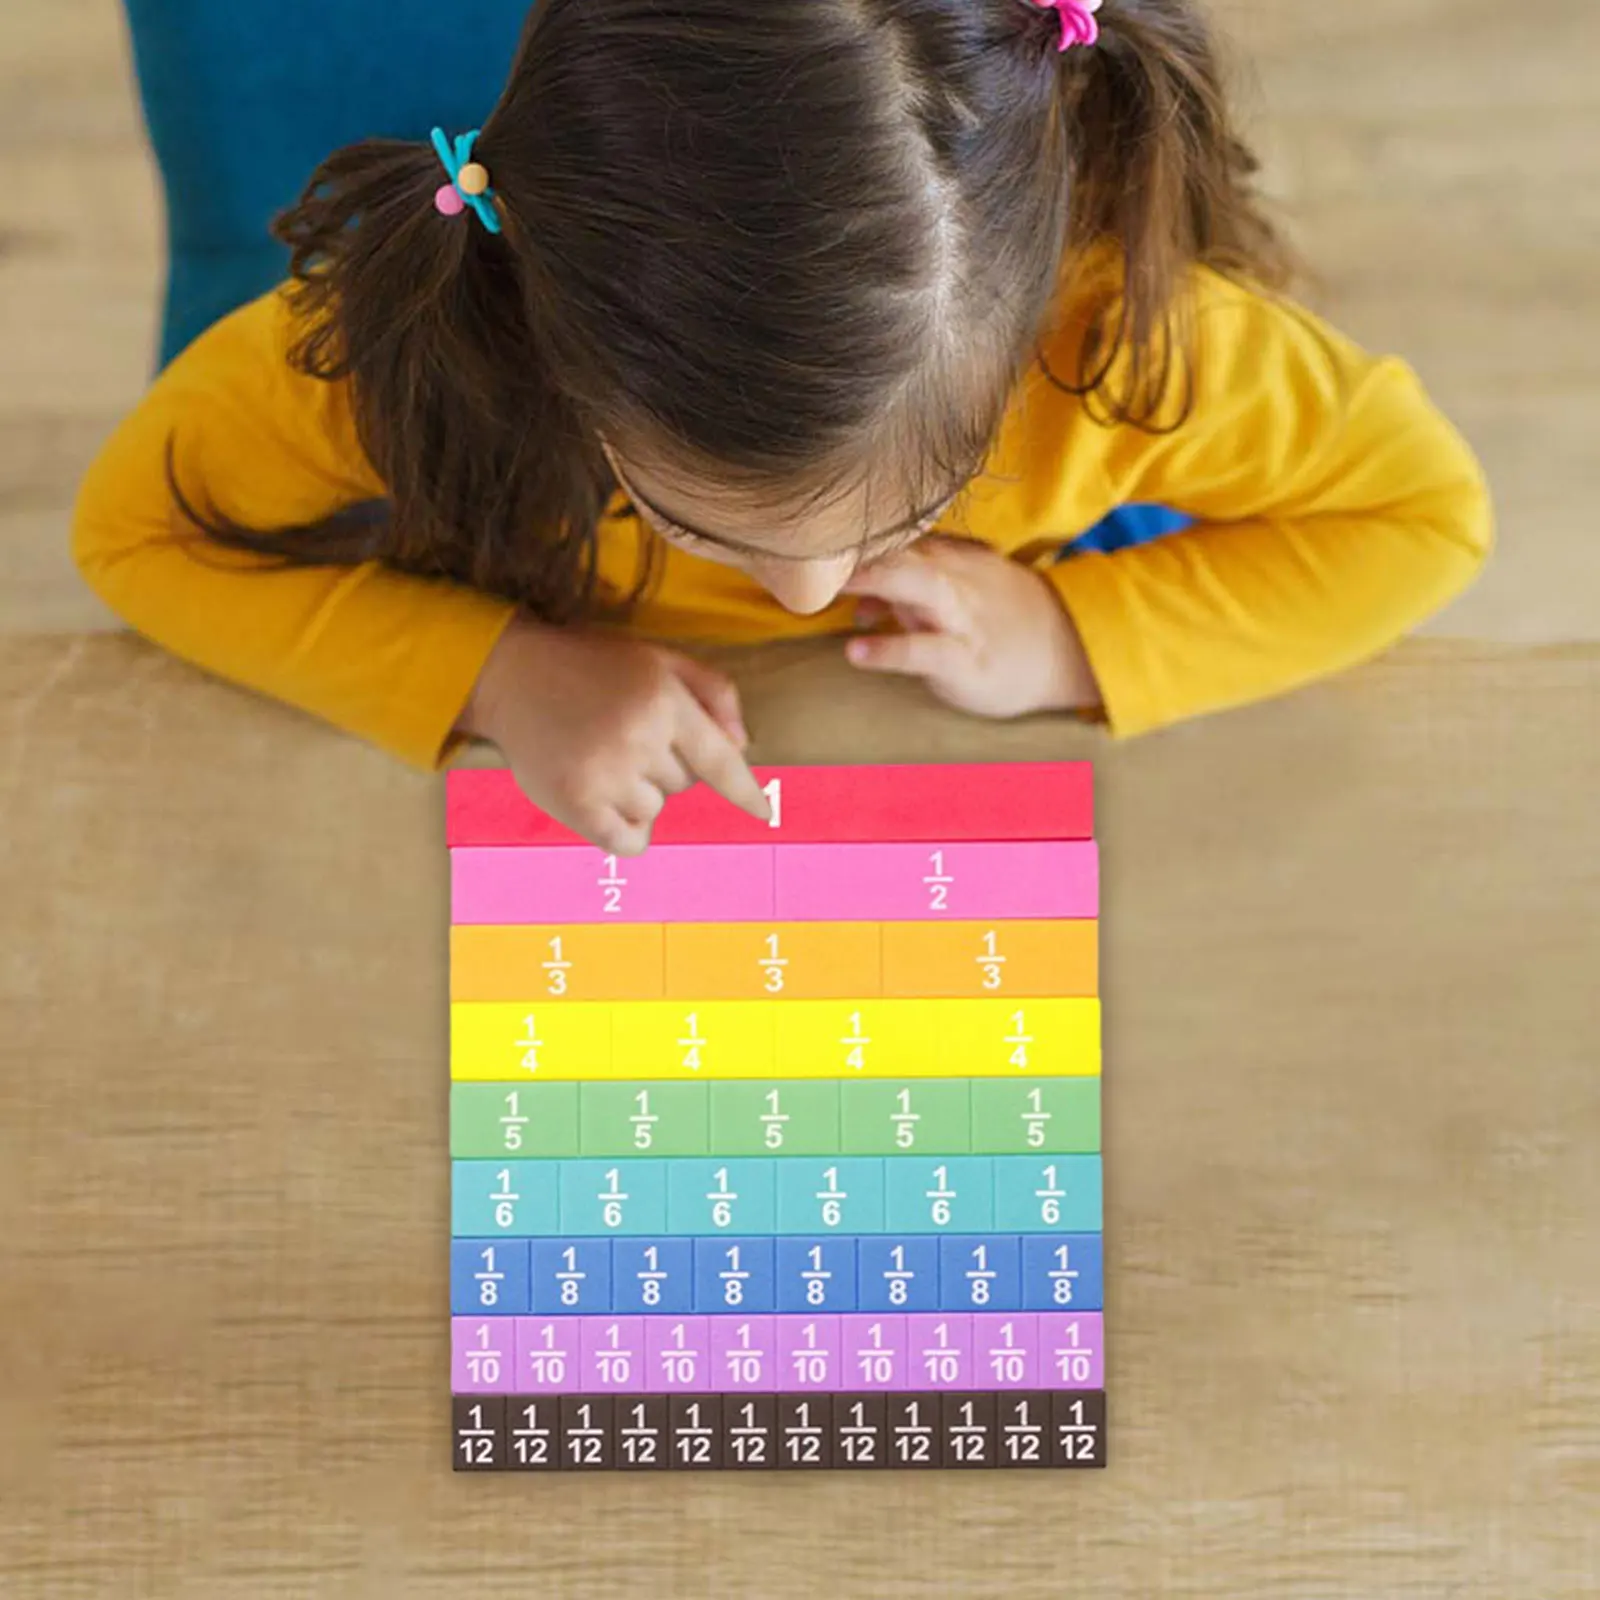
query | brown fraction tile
[478, 1432]
[805, 1431]
[588, 1442]
[1078, 1428]
[966, 1429]
[533, 1433]
[1022, 1429]
[911, 1427]
[858, 1424]
[642, 1428]
[749, 1432]
[694, 1423]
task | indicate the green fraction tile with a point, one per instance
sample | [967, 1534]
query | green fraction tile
[500, 1119]
[643, 1119]
[926, 1115]
[1053, 1115]
[794, 1117]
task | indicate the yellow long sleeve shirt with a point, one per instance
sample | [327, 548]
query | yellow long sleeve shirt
[1335, 508]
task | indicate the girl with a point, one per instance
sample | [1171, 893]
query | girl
[746, 320]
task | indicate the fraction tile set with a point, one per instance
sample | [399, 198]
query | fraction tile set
[779, 1145]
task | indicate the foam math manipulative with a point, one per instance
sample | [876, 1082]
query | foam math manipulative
[778, 1147]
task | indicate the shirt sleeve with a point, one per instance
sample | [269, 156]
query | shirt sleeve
[382, 655]
[1336, 509]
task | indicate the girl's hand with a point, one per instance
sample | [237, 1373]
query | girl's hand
[986, 634]
[599, 731]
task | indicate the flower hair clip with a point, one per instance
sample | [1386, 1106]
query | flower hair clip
[1078, 24]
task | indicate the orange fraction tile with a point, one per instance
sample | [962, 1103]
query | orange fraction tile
[586, 961]
[954, 960]
[772, 961]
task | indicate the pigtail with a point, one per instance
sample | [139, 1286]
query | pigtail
[1157, 172]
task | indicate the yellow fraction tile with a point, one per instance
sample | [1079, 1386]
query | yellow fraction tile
[777, 961]
[870, 1038]
[692, 1039]
[1013, 1038]
[583, 961]
[948, 960]
[507, 1042]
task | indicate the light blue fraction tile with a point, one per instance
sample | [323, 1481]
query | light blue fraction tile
[571, 1276]
[733, 1275]
[1064, 1273]
[489, 1277]
[720, 1197]
[826, 1195]
[816, 1274]
[938, 1194]
[1048, 1194]
[619, 1198]
[898, 1273]
[650, 1275]
[980, 1274]
[491, 1199]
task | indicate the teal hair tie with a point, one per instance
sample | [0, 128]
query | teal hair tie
[469, 180]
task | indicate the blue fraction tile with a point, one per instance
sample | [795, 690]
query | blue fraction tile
[827, 1194]
[980, 1274]
[490, 1199]
[1047, 1194]
[617, 1198]
[734, 1275]
[716, 1197]
[571, 1276]
[1063, 1272]
[489, 1277]
[939, 1194]
[652, 1275]
[898, 1273]
[816, 1274]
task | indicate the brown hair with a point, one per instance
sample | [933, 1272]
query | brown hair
[793, 239]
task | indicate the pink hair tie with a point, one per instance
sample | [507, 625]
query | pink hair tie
[1078, 25]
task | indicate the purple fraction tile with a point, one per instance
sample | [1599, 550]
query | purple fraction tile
[858, 1430]
[482, 1355]
[1078, 1429]
[533, 1432]
[613, 1355]
[749, 1432]
[695, 1424]
[641, 1430]
[912, 1428]
[548, 1355]
[808, 1355]
[805, 1430]
[1022, 1429]
[743, 1354]
[678, 1354]
[588, 1435]
[967, 1425]
[874, 1352]
[939, 1352]
[1072, 1351]
[1005, 1350]
[479, 1425]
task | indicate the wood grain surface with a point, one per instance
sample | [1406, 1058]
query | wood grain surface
[1353, 1202]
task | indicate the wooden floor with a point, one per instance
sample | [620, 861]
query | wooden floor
[1352, 1013]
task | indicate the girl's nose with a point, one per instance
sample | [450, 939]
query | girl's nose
[804, 587]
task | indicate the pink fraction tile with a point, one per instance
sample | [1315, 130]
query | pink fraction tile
[613, 1352]
[1005, 1350]
[743, 1354]
[681, 883]
[809, 1355]
[678, 1355]
[549, 1356]
[873, 1350]
[916, 882]
[482, 1355]
[939, 1352]
[1072, 1350]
